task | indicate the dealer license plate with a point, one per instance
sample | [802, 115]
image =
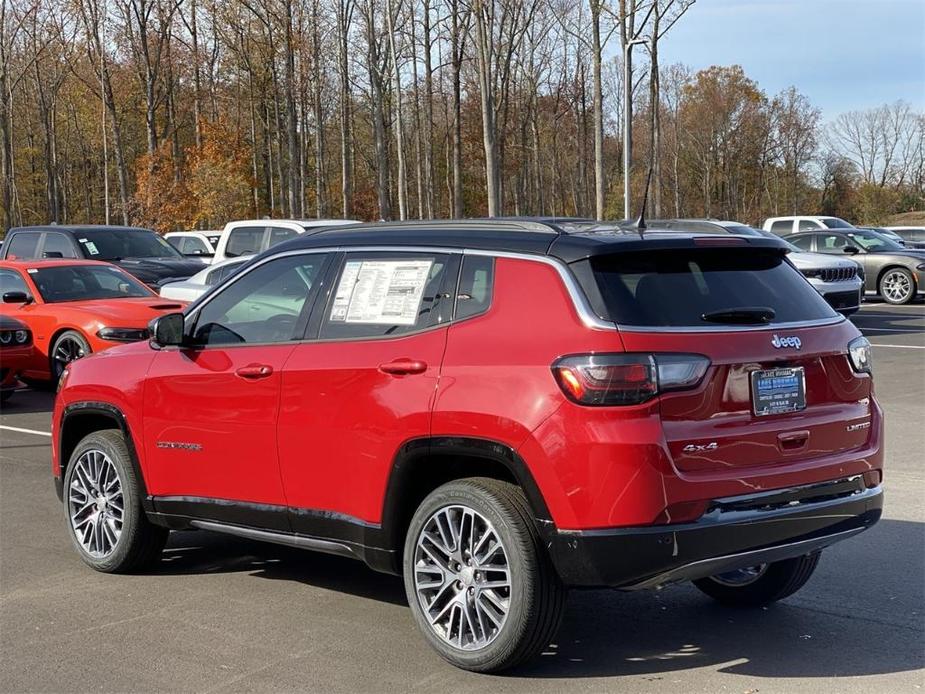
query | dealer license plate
[778, 391]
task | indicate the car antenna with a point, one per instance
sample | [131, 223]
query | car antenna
[640, 224]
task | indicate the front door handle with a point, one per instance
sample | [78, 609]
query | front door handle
[254, 371]
[404, 367]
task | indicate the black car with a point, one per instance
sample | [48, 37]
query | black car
[140, 252]
[893, 272]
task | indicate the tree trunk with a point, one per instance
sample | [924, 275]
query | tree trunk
[596, 49]
[344, 15]
[292, 122]
[427, 131]
[457, 47]
[483, 35]
[399, 123]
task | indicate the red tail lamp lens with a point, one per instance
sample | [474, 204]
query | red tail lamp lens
[626, 379]
[607, 379]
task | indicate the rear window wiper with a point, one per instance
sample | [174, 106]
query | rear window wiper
[743, 315]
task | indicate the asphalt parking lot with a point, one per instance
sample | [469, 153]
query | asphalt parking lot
[223, 614]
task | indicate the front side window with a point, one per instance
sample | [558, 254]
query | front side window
[84, 282]
[23, 245]
[383, 295]
[193, 245]
[118, 244]
[263, 306]
[832, 243]
[11, 281]
[244, 241]
[58, 246]
[808, 225]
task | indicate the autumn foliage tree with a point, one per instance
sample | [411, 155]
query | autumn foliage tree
[218, 180]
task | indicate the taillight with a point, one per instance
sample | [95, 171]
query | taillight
[626, 379]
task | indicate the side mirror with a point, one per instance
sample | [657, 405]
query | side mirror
[850, 250]
[17, 298]
[167, 330]
[52, 254]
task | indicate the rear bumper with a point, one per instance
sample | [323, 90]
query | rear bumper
[736, 532]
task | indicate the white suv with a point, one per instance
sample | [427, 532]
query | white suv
[781, 226]
[252, 236]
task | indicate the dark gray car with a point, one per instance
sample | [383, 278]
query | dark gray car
[894, 273]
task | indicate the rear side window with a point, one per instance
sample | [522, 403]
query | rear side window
[244, 241]
[677, 288]
[383, 295]
[476, 281]
[782, 227]
[804, 243]
[22, 245]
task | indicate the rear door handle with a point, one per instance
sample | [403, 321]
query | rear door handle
[255, 371]
[404, 367]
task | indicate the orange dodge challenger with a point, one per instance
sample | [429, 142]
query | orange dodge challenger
[75, 307]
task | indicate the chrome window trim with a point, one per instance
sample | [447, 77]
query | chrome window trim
[577, 295]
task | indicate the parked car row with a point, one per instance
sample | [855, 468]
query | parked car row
[495, 410]
[81, 289]
[894, 267]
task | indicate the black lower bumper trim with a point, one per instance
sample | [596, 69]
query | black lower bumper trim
[650, 557]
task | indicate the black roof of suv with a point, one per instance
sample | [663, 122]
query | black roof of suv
[568, 242]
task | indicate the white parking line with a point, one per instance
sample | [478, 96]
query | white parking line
[877, 344]
[26, 431]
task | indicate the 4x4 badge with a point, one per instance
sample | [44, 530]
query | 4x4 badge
[791, 341]
[697, 448]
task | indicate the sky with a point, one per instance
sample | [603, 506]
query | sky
[844, 55]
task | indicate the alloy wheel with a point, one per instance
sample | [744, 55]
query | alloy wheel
[897, 286]
[67, 350]
[741, 577]
[95, 503]
[462, 577]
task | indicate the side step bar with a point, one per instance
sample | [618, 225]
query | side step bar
[288, 539]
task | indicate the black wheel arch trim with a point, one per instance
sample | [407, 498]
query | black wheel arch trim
[75, 410]
[415, 452]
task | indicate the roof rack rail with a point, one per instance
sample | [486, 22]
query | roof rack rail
[479, 224]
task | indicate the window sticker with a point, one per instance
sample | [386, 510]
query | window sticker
[91, 247]
[387, 292]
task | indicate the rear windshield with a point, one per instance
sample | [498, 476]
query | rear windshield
[676, 288]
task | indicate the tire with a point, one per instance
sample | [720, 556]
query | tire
[69, 346]
[106, 544]
[534, 596]
[897, 286]
[771, 583]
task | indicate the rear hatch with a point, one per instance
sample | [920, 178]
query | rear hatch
[779, 388]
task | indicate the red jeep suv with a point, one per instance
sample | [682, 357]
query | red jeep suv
[496, 410]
